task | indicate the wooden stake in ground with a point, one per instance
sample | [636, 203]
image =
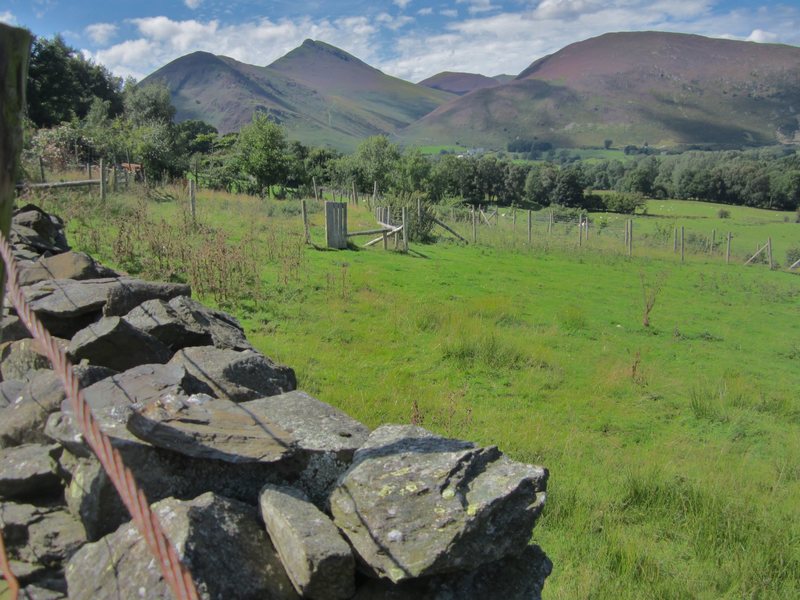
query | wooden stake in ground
[530, 227]
[550, 223]
[303, 210]
[675, 241]
[102, 180]
[15, 50]
[627, 223]
[192, 202]
[580, 231]
[713, 241]
[355, 194]
[314, 183]
[41, 170]
[728, 250]
[474, 227]
[769, 253]
[406, 223]
[682, 245]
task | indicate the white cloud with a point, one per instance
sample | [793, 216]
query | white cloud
[193, 4]
[401, 3]
[759, 35]
[425, 11]
[101, 33]
[478, 6]
[7, 18]
[393, 22]
[259, 42]
[449, 12]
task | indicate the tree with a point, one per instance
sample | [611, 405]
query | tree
[568, 190]
[261, 152]
[607, 144]
[62, 84]
[376, 159]
[540, 183]
[195, 136]
[147, 104]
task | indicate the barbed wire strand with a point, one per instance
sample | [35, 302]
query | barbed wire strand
[175, 573]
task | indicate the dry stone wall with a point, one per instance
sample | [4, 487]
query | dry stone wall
[265, 491]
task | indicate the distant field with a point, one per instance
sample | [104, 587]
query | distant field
[674, 450]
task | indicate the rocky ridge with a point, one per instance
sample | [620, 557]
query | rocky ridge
[265, 491]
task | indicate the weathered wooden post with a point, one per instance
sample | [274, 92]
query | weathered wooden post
[728, 250]
[474, 227]
[192, 201]
[314, 183]
[304, 212]
[514, 222]
[89, 169]
[630, 237]
[41, 170]
[113, 174]
[682, 245]
[769, 253]
[580, 231]
[675, 241]
[374, 192]
[419, 210]
[15, 50]
[586, 225]
[530, 227]
[102, 180]
[406, 223]
[336, 224]
[713, 241]
[550, 223]
[355, 194]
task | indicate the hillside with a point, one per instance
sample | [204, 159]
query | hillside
[459, 83]
[664, 89]
[322, 95]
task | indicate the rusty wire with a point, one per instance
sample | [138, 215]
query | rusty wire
[175, 573]
[5, 567]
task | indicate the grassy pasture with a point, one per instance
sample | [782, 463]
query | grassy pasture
[674, 450]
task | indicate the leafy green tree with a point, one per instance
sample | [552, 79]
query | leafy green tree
[195, 136]
[540, 183]
[261, 152]
[62, 84]
[411, 173]
[376, 159]
[568, 190]
[148, 104]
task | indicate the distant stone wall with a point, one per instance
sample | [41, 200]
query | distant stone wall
[265, 491]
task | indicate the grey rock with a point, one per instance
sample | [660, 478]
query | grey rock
[40, 535]
[220, 540]
[114, 343]
[10, 392]
[67, 265]
[66, 306]
[112, 397]
[414, 504]
[29, 470]
[515, 578]
[318, 561]
[12, 329]
[237, 376]
[18, 360]
[36, 592]
[50, 227]
[24, 420]
[184, 322]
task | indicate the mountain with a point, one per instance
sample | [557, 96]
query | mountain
[664, 89]
[458, 83]
[503, 78]
[321, 94]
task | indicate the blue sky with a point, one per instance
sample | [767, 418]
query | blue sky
[412, 39]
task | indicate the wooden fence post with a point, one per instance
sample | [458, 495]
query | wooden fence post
[675, 241]
[769, 253]
[89, 169]
[630, 237]
[580, 231]
[15, 49]
[355, 194]
[728, 250]
[102, 180]
[550, 223]
[192, 201]
[627, 221]
[530, 226]
[713, 241]
[41, 170]
[419, 210]
[682, 245]
[406, 223]
[303, 210]
[316, 193]
[374, 192]
[474, 227]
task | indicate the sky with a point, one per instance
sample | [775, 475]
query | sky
[412, 39]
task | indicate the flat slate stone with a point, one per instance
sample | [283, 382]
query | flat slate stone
[40, 535]
[10, 392]
[24, 420]
[220, 540]
[114, 343]
[237, 376]
[67, 265]
[66, 306]
[12, 329]
[318, 561]
[19, 359]
[414, 504]
[29, 470]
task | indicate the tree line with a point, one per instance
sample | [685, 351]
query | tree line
[79, 112]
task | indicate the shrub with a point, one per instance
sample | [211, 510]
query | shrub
[792, 255]
[724, 213]
[626, 203]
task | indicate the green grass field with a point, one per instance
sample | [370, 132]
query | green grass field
[674, 450]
